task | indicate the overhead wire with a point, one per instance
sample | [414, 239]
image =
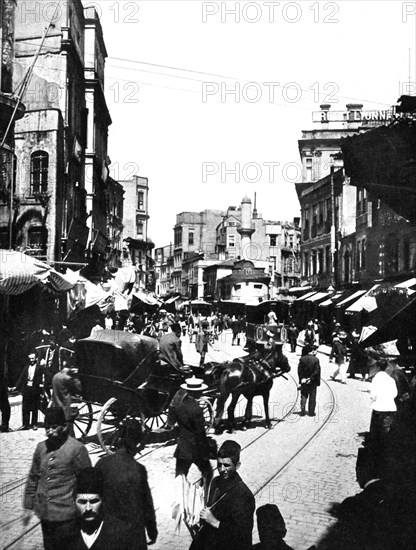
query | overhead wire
[198, 72]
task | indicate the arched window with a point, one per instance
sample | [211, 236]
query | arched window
[39, 163]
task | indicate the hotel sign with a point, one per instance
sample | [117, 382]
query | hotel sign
[354, 116]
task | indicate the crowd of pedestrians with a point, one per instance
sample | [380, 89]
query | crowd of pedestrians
[110, 506]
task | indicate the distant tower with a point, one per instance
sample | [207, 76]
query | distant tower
[245, 229]
[255, 207]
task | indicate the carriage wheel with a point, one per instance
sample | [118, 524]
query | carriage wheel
[208, 412]
[109, 426]
[111, 423]
[156, 422]
[83, 421]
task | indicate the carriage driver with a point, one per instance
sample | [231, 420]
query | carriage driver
[170, 350]
[273, 353]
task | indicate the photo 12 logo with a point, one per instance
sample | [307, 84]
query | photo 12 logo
[30, 11]
[269, 92]
[271, 12]
[251, 172]
[408, 11]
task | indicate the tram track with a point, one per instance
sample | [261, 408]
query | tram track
[12, 486]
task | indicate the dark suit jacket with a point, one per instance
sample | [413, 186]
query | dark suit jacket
[35, 388]
[114, 535]
[170, 350]
[309, 367]
[235, 513]
[127, 496]
[192, 439]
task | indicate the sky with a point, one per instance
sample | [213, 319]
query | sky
[208, 99]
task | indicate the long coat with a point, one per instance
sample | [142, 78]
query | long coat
[234, 511]
[192, 439]
[50, 485]
[127, 496]
[309, 367]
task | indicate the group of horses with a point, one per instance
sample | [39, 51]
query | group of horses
[249, 376]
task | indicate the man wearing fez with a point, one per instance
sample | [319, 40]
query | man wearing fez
[50, 484]
[95, 530]
[227, 521]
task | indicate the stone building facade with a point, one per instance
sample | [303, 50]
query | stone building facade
[137, 246]
[335, 244]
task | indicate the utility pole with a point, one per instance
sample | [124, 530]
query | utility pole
[333, 236]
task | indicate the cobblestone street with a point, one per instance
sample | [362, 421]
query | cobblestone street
[322, 474]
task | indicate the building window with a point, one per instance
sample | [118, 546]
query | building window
[406, 256]
[231, 241]
[140, 200]
[4, 238]
[305, 264]
[39, 163]
[361, 201]
[190, 238]
[258, 286]
[309, 170]
[273, 240]
[36, 241]
[139, 227]
[178, 236]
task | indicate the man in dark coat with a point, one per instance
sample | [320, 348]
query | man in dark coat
[126, 493]
[96, 530]
[227, 521]
[31, 385]
[170, 347]
[192, 445]
[293, 334]
[201, 341]
[309, 373]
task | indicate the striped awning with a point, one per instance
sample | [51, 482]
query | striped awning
[351, 298]
[20, 272]
[408, 284]
[367, 303]
[305, 296]
[332, 300]
[318, 296]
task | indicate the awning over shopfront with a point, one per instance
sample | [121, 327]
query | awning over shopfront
[350, 299]
[382, 161]
[146, 298]
[294, 289]
[408, 285]
[318, 296]
[332, 300]
[398, 325]
[305, 296]
[171, 300]
[20, 272]
[367, 303]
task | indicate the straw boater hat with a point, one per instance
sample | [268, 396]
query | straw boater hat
[194, 384]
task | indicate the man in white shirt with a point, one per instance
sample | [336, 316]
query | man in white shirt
[382, 393]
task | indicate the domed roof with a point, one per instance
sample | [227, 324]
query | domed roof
[246, 199]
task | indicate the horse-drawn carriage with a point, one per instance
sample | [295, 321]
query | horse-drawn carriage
[122, 379]
[258, 325]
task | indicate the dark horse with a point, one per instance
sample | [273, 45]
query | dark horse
[248, 376]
